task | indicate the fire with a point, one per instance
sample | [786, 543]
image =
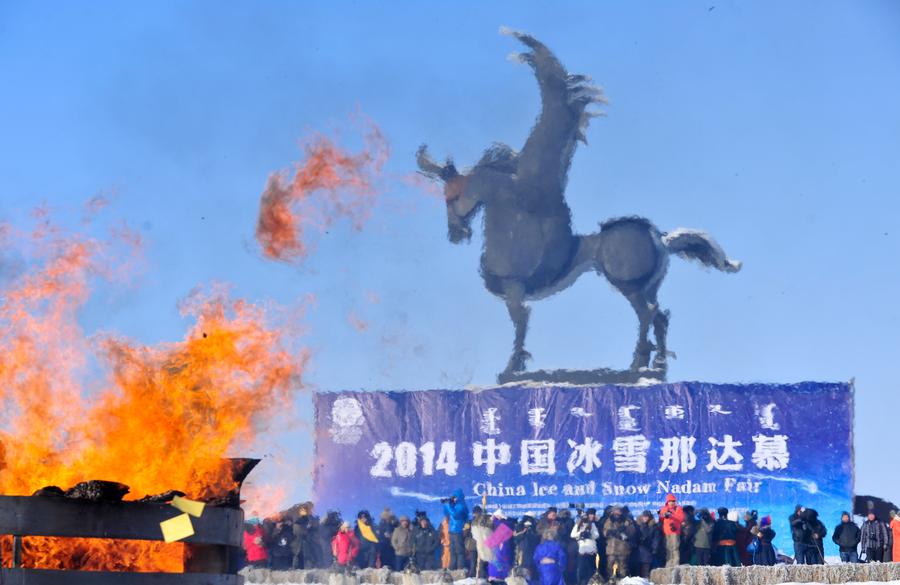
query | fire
[95, 554]
[328, 185]
[155, 417]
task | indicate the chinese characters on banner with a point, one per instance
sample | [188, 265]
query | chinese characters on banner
[759, 446]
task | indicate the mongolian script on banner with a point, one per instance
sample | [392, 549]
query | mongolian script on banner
[756, 446]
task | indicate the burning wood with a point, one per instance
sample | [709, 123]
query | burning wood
[160, 418]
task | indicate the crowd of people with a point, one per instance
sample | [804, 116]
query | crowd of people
[558, 547]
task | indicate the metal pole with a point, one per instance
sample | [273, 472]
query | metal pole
[17, 552]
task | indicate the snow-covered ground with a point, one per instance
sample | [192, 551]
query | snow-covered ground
[383, 576]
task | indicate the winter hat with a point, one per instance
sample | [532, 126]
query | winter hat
[386, 514]
[402, 518]
[345, 526]
[766, 521]
[670, 498]
[498, 513]
[590, 511]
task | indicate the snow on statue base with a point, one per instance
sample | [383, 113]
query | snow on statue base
[640, 376]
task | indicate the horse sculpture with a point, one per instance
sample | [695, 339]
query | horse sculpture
[530, 251]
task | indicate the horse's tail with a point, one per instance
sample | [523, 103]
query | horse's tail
[699, 245]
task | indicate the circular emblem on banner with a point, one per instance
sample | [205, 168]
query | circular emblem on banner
[347, 418]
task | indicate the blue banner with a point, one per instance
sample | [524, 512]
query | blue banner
[764, 447]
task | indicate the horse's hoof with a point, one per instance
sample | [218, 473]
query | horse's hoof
[517, 362]
[640, 363]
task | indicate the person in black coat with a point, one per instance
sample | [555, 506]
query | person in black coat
[798, 528]
[814, 537]
[425, 543]
[326, 532]
[765, 551]
[281, 553]
[649, 543]
[526, 540]
[688, 530]
[724, 539]
[846, 536]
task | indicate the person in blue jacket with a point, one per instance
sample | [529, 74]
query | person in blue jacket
[457, 513]
[550, 559]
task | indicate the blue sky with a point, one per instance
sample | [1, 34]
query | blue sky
[772, 125]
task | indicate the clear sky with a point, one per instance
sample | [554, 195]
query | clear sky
[773, 125]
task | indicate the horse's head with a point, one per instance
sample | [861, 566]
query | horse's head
[462, 203]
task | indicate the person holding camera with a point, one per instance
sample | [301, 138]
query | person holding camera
[671, 516]
[585, 534]
[457, 514]
[619, 531]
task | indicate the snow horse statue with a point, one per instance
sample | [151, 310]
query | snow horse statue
[530, 251]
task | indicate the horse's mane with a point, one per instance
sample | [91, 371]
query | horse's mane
[499, 157]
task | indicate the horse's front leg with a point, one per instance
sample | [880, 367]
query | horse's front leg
[646, 312]
[514, 295]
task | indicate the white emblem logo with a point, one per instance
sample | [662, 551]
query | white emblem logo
[347, 416]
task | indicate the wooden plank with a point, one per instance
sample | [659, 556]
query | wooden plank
[47, 577]
[49, 516]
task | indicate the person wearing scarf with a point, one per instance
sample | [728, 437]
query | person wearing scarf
[368, 541]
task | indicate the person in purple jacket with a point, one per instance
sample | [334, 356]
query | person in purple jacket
[550, 559]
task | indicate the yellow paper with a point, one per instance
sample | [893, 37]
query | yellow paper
[187, 506]
[177, 528]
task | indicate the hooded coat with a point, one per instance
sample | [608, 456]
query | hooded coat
[345, 547]
[619, 532]
[457, 512]
[673, 523]
[254, 544]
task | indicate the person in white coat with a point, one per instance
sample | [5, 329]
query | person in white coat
[585, 533]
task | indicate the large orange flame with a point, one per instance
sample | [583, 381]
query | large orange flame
[156, 417]
[328, 185]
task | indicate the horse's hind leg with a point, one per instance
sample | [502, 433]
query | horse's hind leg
[646, 313]
[514, 295]
[660, 329]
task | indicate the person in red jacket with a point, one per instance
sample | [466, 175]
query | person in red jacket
[671, 517]
[345, 545]
[255, 546]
